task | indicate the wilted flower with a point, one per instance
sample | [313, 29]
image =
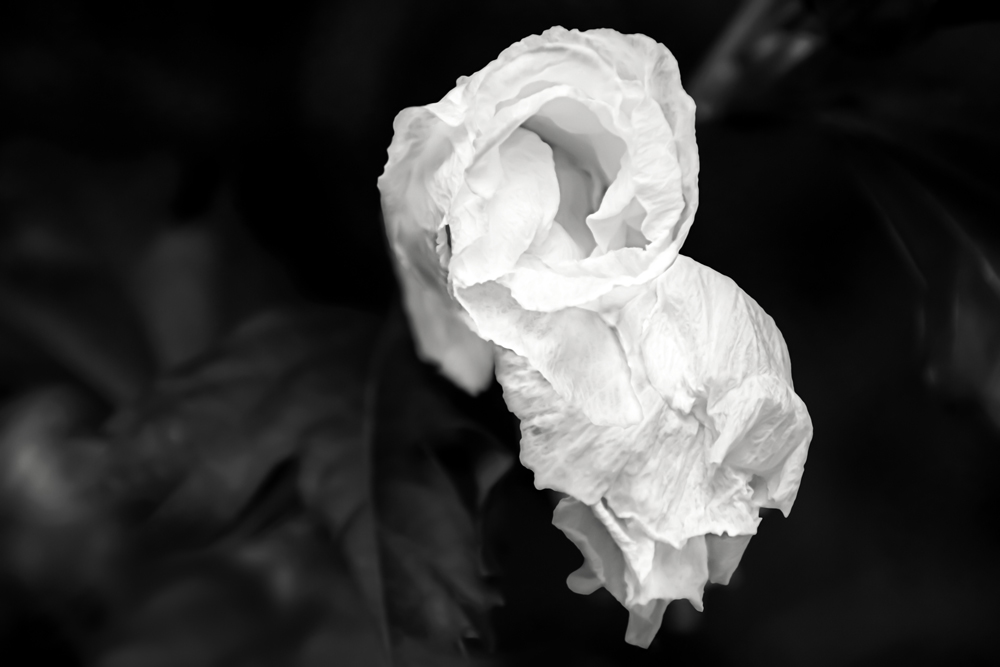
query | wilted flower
[565, 168]
[537, 211]
[665, 505]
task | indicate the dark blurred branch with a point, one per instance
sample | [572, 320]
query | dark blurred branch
[763, 42]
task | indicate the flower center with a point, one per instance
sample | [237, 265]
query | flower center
[587, 160]
[580, 193]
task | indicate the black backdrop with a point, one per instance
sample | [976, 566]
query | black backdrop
[284, 111]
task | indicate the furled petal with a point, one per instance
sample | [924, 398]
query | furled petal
[603, 564]
[440, 335]
[467, 175]
[548, 195]
[649, 192]
[565, 449]
[671, 574]
[655, 472]
[724, 554]
[711, 351]
[722, 434]
[421, 145]
[521, 203]
[618, 95]
[644, 622]
[574, 350]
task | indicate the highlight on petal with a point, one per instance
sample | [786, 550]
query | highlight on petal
[672, 574]
[440, 335]
[654, 473]
[523, 202]
[606, 103]
[413, 212]
[724, 554]
[710, 350]
[563, 170]
[575, 351]
[722, 434]
[565, 450]
[541, 206]
[642, 219]
[603, 563]
[678, 493]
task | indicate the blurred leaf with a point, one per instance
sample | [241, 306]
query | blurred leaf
[199, 617]
[429, 542]
[194, 452]
[55, 284]
[948, 149]
[283, 598]
[415, 408]
[327, 415]
[55, 533]
[100, 274]
[959, 275]
[84, 325]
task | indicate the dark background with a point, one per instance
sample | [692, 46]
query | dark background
[851, 192]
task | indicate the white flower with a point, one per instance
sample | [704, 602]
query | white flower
[562, 170]
[536, 214]
[665, 505]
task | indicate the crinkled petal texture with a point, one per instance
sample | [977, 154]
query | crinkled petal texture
[540, 207]
[663, 506]
[413, 211]
[564, 170]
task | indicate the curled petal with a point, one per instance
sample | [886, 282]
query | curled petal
[711, 351]
[421, 145]
[722, 434]
[566, 451]
[603, 564]
[655, 472]
[618, 95]
[605, 541]
[523, 200]
[440, 335]
[648, 194]
[724, 554]
[563, 170]
[542, 205]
